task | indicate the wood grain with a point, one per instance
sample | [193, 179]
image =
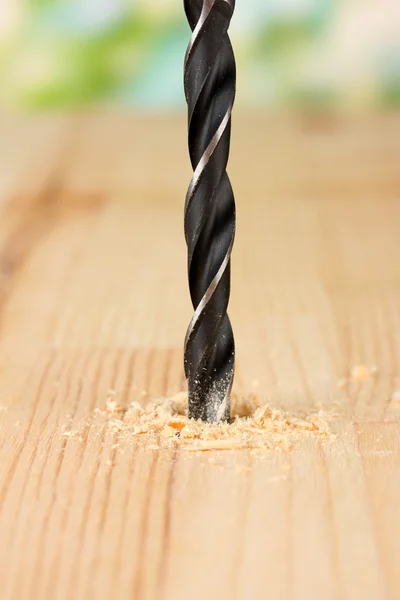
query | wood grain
[93, 297]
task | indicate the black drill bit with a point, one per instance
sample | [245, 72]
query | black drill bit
[210, 82]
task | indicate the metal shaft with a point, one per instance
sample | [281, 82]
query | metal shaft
[210, 82]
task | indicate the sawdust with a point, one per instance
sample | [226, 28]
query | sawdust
[70, 434]
[113, 407]
[164, 423]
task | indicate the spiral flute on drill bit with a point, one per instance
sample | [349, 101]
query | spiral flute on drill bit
[210, 82]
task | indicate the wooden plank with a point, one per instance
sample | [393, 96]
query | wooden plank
[94, 298]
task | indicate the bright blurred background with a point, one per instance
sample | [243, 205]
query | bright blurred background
[315, 54]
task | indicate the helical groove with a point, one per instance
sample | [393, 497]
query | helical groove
[210, 83]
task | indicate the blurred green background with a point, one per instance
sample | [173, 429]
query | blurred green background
[302, 53]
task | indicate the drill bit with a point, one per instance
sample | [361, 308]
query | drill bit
[210, 82]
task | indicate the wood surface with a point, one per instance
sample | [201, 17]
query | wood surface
[93, 297]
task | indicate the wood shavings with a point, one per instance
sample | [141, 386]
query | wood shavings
[319, 424]
[179, 423]
[164, 423]
[255, 426]
[302, 424]
[191, 430]
[113, 407]
[70, 434]
[168, 432]
[116, 425]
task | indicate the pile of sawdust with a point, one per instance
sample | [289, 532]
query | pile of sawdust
[164, 423]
